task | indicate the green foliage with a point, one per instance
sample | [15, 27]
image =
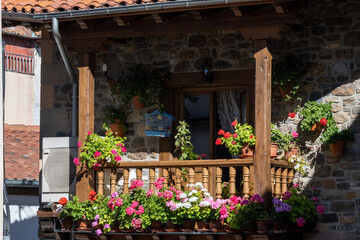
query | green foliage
[244, 134]
[157, 209]
[245, 215]
[301, 207]
[74, 209]
[313, 112]
[183, 144]
[333, 134]
[300, 165]
[276, 135]
[112, 114]
[104, 145]
[139, 80]
[288, 75]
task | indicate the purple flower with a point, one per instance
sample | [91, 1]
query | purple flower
[276, 201]
[97, 217]
[98, 232]
[256, 198]
[300, 222]
[114, 194]
[93, 224]
[107, 226]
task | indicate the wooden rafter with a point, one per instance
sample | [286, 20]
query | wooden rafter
[82, 24]
[119, 21]
[279, 8]
[157, 18]
[237, 12]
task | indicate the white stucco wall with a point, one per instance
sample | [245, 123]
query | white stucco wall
[21, 99]
[23, 219]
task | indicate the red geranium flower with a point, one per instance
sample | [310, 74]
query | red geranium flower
[218, 141]
[292, 115]
[92, 195]
[234, 123]
[251, 136]
[227, 135]
[234, 135]
[63, 201]
[221, 132]
[323, 122]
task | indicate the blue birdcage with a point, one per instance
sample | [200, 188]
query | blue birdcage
[158, 124]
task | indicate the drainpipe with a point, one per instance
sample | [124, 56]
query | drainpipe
[55, 26]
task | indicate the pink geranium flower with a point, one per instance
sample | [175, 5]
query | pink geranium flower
[79, 144]
[123, 149]
[97, 154]
[119, 202]
[320, 209]
[113, 151]
[129, 211]
[76, 161]
[117, 158]
[89, 133]
[134, 204]
[301, 222]
[294, 134]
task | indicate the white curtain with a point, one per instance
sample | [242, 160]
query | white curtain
[231, 105]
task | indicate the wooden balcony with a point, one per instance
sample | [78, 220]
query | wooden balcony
[208, 172]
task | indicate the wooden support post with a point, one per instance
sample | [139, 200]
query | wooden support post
[218, 182]
[85, 177]
[113, 180]
[272, 181]
[191, 176]
[166, 177]
[152, 178]
[139, 174]
[100, 176]
[205, 177]
[278, 182]
[290, 177]
[246, 187]
[178, 178]
[232, 181]
[126, 180]
[262, 172]
[284, 178]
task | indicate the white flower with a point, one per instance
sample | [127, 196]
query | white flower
[204, 190]
[182, 195]
[192, 192]
[186, 205]
[291, 160]
[204, 204]
[108, 159]
[297, 166]
[199, 184]
[207, 194]
[193, 199]
[95, 208]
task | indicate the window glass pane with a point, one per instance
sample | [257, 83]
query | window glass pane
[197, 115]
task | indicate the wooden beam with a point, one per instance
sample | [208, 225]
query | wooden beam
[262, 168]
[278, 8]
[157, 18]
[82, 24]
[147, 28]
[119, 21]
[85, 177]
[237, 12]
[196, 14]
[86, 45]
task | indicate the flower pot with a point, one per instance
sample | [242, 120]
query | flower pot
[273, 150]
[280, 226]
[263, 225]
[157, 226]
[316, 126]
[293, 152]
[171, 227]
[230, 230]
[137, 103]
[84, 225]
[127, 230]
[67, 224]
[188, 226]
[115, 226]
[247, 151]
[216, 226]
[117, 128]
[203, 226]
[251, 228]
[337, 149]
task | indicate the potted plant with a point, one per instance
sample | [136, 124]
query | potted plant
[249, 213]
[183, 144]
[280, 214]
[73, 210]
[289, 144]
[241, 142]
[288, 77]
[337, 139]
[97, 150]
[115, 120]
[300, 165]
[316, 116]
[276, 140]
[141, 84]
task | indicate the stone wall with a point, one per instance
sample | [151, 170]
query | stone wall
[328, 38]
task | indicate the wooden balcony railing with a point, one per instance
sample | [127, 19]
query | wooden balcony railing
[211, 173]
[19, 63]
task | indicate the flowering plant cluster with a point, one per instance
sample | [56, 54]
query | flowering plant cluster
[243, 134]
[313, 112]
[300, 165]
[97, 150]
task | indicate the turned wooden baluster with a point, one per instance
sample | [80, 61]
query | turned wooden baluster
[139, 173]
[246, 187]
[232, 177]
[165, 173]
[277, 182]
[191, 176]
[126, 180]
[178, 178]
[290, 178]
[152, 178]
[100, 187]
[284, 176]
[218, 182]
[112, 180]
[205, 177]
[272, 181]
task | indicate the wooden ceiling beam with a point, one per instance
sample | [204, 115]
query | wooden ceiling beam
[196, 14]
[119, 21]
[82, 24]
[237, 12]
[148, 28]
[157, 18]
[278, 8]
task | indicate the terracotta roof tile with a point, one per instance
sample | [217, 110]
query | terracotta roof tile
[21, 31]
[21, 151]
[41, 6]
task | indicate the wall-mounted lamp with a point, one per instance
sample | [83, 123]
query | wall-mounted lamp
[206, 71]
[105, 70]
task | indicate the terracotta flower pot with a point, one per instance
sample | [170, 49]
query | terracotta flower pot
[157, 226]
[337, 149]
[263, 225]
[247, 151]
[216, 226]
[316, 126]
[188, 226]
[137, 103]
[280, 226]
[171, 227]
[66, 224]
[294, 151]
[229, 230]
[127, 230]
[84, 225]
[273, 150]
[117, 128]
[203, 226]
